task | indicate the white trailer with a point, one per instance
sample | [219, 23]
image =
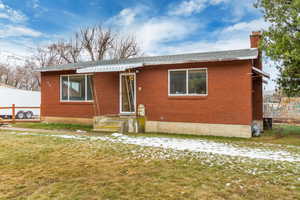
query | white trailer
[21, 98]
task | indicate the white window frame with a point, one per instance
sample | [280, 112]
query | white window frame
[187, 81]
[68, 100]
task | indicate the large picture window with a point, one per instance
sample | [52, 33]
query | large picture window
[76, 88]
[188, 82]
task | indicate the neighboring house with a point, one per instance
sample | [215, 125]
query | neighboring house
[212, 93]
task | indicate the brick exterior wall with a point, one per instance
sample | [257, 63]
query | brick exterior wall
[229, 99]
[106, 87]
[50, 99]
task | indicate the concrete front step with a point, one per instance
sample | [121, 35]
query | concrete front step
[119, 124]
[108, 124]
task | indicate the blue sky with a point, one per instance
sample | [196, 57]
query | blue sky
[160, 26]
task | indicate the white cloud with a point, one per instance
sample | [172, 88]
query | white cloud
[15, 52]
[151, 31]
[189, 7]
[257, 24]
[17, 30]
[206, 46]
[16, 39]
[234, 9]
[239, 8]
[10, 14]
[35, 3]
[124, 18]
[168, 34]
[156, 31]
[228, 38]
[127, 16]
[4, 16]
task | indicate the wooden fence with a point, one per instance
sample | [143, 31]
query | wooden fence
[13, 114]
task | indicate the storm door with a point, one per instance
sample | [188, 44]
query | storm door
[127, 93]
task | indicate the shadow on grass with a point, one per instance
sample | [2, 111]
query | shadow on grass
[55, 126]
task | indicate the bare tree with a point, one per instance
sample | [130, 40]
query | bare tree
[47, 56]
[125, 48]
[96, 41]
[76, 48]
[90, 43]
[5, 73]
[22, 76]
[33, 81]
[69, 52]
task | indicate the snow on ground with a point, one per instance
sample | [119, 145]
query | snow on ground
[190, 145]
[200, 145]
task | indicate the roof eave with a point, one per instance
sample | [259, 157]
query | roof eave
[55, 69]
[78, 69]
[199, 61]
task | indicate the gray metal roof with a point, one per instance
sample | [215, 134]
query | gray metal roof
[242, 54]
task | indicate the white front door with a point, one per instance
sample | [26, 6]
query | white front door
[127, 93]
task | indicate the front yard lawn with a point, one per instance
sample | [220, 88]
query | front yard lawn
[46, 167]
[281, 134]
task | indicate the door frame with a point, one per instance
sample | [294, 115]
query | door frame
[120, 92]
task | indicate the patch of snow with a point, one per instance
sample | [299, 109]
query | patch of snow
[80, 131]
[200, 145]
[69, 137]
[191, 145]
[117, 134]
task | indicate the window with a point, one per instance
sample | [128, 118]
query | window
[188, 82]
[76, 88]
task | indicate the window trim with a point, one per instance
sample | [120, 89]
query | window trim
[68, 75]
[187, 80]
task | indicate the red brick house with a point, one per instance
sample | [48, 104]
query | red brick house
[212, 93]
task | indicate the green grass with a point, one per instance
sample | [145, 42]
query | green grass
[40, 167]
[281, 134]
[54, 126]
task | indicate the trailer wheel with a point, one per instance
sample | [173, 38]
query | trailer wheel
[29, 115]
[20, 115]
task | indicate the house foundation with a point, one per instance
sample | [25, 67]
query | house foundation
[227, 130]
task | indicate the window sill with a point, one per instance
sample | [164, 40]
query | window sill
[77, 102]
[187, 97]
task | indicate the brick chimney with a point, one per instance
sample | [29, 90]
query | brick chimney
[255, 38]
